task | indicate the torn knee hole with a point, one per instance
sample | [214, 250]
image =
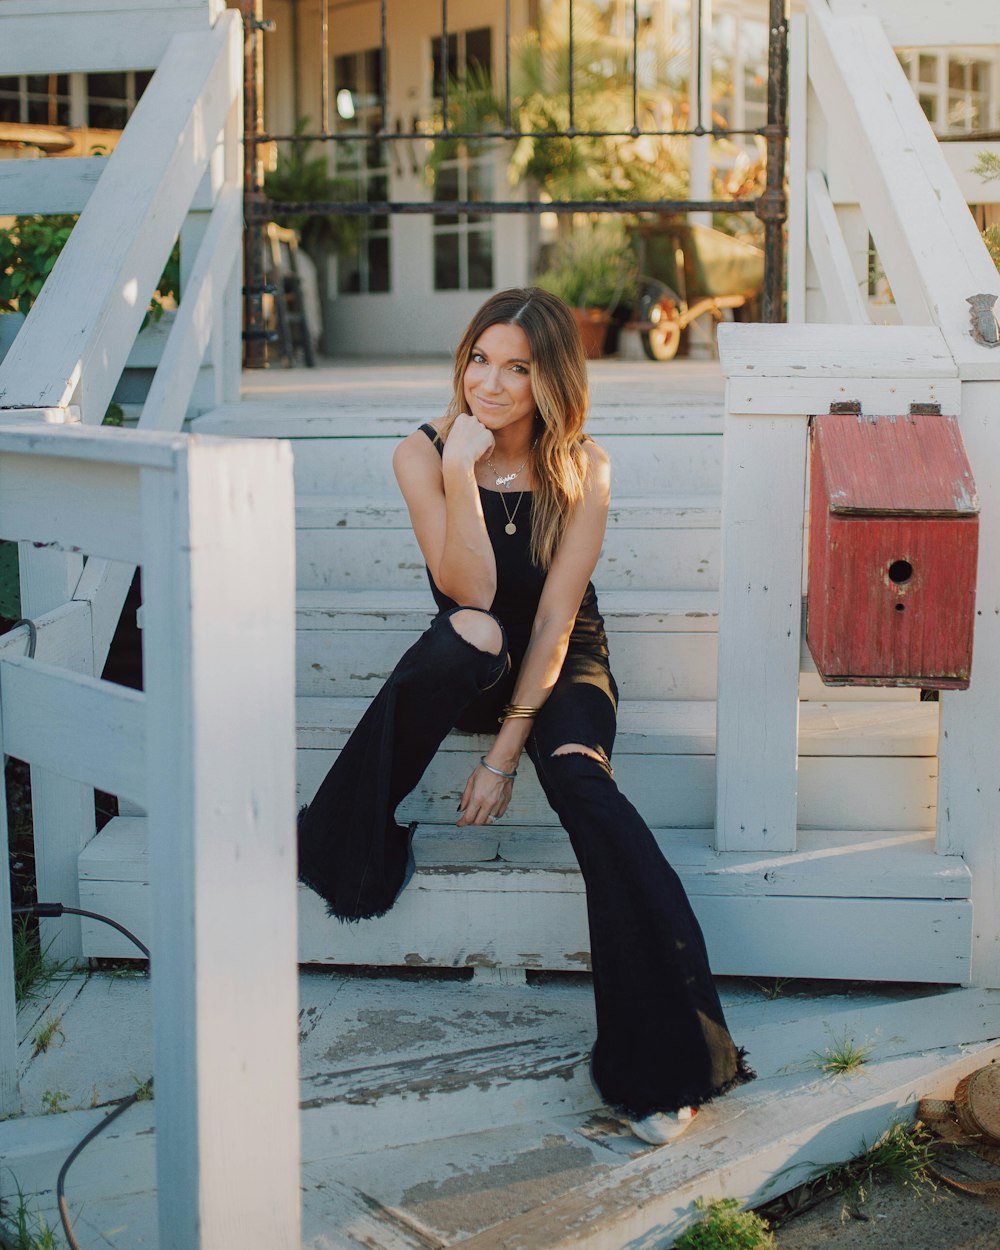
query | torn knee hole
[479, 628]
[577, 748]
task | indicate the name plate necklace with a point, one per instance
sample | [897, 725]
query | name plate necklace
[503, 481]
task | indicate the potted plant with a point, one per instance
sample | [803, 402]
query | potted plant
[593, 269]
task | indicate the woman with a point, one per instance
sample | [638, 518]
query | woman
[508, 499]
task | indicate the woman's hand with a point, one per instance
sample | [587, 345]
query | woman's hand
[484, 798]
[468, 442]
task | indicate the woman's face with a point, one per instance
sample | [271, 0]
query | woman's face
[498, 378]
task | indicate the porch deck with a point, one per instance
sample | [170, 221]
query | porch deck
[437, 1114]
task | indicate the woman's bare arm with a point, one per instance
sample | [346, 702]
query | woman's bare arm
[446, 511]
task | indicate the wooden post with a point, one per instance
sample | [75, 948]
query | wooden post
[968, 791]
[763, 483]
[219, 677]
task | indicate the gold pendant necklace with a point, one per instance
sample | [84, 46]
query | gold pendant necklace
[510, 527]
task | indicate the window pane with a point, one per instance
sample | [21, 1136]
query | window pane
[48, 112]
[107, 116]
[480, 260]
[956, 72]
[906, 60]
[142, 80]
[980, 76]
[929, 104]
[452, 67]
[478, 51]
[446, 273]
[446, 187]
[960, 112]
[372, 76]
[349, 271]
[480, 175]
[107, 86]
[48, 84]
[928, 67]
[378, 264]
[10, 110]
[345, 73]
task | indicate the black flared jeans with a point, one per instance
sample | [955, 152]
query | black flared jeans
[662, 1041]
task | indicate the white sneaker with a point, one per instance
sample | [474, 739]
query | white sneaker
[663, 1126]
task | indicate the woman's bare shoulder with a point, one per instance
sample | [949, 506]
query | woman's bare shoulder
[417, 454]
[598, 461]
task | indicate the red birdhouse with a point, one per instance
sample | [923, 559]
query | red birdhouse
[893, 539]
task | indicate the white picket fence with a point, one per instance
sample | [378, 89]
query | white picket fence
[208, 747]
[864, 159]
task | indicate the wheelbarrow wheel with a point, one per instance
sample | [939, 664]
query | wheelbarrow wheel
[660, 309]
[662, 342]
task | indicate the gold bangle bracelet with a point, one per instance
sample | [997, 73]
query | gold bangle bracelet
[514, 711]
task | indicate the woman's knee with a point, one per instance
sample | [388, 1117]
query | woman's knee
[478, 627]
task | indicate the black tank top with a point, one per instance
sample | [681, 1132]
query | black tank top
[519, 580]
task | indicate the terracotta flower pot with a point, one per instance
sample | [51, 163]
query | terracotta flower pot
[593, 323]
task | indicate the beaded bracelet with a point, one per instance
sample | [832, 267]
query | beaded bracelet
[499, 772]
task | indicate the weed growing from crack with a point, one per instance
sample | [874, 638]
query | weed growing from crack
[726, 1227]
[843, 1056]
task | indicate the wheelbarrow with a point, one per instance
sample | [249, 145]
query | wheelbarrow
[687, 272]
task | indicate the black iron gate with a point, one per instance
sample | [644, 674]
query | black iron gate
[769, 207]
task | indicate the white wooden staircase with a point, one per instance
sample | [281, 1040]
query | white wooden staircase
[865, 868]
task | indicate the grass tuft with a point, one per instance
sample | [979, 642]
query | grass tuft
[34, 969]
[773, 987]
[843, 1055]
[903, 1155]
[52, 1101]
[25, 1238]
[726, 1227]
[48, 1031]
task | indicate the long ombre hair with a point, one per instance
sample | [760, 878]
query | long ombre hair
[559, 387]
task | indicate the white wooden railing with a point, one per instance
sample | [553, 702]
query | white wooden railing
[863, 160]
[210, 753]
[208, 748]
[175, 172]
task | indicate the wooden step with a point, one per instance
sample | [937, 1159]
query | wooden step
[370, 414]
[662, 644]
[513, 897]
[408, 1144]
[672, 544]
[351, 451]
[862, 766]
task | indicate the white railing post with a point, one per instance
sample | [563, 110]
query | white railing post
[219, 678]
[763, 476]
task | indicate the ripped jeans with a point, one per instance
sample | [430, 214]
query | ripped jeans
[662, 1041]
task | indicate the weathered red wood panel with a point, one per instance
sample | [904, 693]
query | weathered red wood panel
[909, 464]
[892, 552]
